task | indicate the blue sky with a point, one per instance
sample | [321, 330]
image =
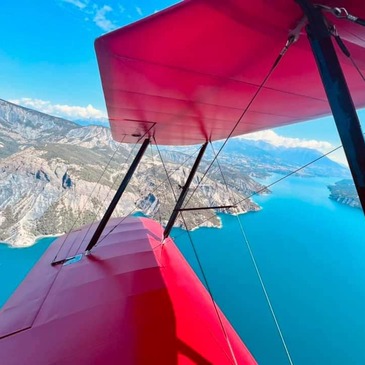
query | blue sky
[47, 47]
[48, 62]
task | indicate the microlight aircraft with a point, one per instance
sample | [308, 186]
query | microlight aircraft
[199, 71]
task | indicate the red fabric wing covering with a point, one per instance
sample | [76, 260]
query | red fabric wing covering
[185, 75]
[129, 303]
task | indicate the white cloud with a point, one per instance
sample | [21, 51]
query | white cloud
[78, 3]
[273, 138]
[339, 156]
[95, 13]
[139, 11]
[101, 20]
[72, 112]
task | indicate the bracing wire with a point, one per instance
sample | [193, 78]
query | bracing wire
[223, 177]
[107, 195]
[253, 257]
[112, 186]
[250, 249]
[110, 231]
[339, 41]
[166, 172]
[289, 42]
[258, 275]
[157, 187]
[241, 227]
[169, 181]
[265, 291]
[155, 180]
[198, 261]
[333, 31]
[357, 68]
[197, 258]
[264, 188]
[289, 174]
[59, 271]
[176, 169]
[88, 198]
[209, 291]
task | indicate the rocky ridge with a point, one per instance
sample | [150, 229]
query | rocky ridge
[344, 192]
[54, 178]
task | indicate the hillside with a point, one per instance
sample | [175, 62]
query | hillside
[57, 175]
[262, 158]
[344, 192]
[51, 178]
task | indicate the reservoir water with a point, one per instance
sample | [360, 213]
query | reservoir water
[310, 251]
[15, 263]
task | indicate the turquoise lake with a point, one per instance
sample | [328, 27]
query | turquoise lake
[15, 263]
[311, 255]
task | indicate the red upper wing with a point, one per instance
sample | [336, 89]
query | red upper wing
[186, 74]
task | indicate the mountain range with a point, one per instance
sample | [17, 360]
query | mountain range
[344, 192]
[264, 158]
[57, 175]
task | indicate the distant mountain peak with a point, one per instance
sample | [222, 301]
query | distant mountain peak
[93, 121]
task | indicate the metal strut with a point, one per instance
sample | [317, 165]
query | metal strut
[184, 192]
[338, 94]
[207, 208]
[118, 195]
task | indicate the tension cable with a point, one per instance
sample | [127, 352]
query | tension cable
[288, 175]
[293, 37]
[157, 187]
[110, 189]
[209, 291]
[87, 200]
[166, 172]
[224, 178]
[155, 178]
[342, 13]
[263, 287]
[333, 31]
[264, 188]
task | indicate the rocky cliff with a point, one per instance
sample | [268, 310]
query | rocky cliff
[56, 175]
[344, 192]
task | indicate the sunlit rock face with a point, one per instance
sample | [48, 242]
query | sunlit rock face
[56, 175]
